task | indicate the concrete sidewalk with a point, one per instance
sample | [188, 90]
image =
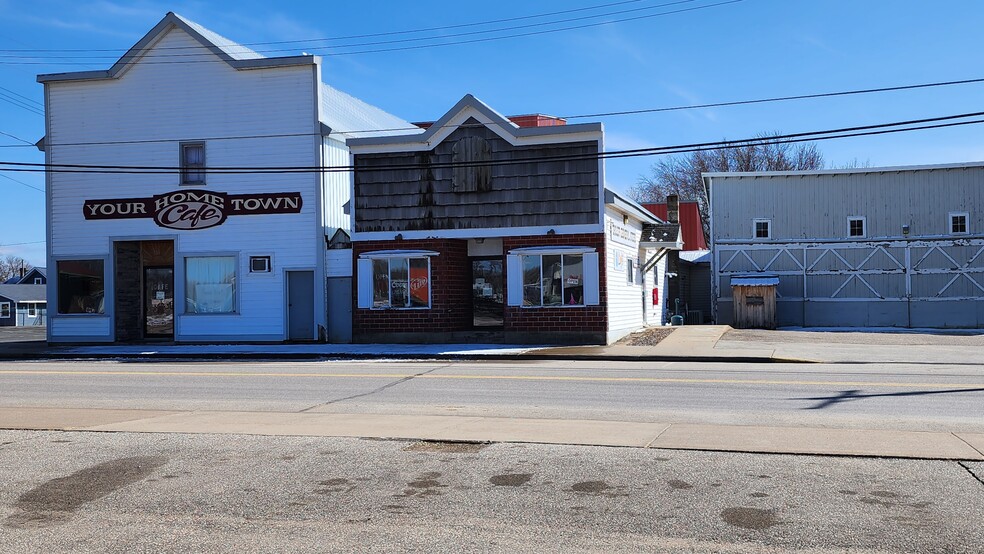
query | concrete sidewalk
[727, 438]
[698, 343]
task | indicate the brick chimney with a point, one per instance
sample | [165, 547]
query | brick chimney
[672, 208]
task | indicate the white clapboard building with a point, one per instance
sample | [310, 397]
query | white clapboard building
[206, 247]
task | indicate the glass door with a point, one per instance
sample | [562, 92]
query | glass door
[158, 302]
[487, 289]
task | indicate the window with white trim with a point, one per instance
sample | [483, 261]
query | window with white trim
[552, 277]
[4, 310]
[762, 228]
[81, 286]
[32, 309]
[259, 264]
[210, 285]
[959, 223]
[395, 280]
[192, 163]
[856, 227]
[38, 281]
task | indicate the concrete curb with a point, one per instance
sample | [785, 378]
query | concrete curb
[300, 356]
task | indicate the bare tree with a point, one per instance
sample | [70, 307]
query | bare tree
[681, 175]
[11, 265]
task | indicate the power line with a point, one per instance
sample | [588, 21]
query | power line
[778, 99]
[452, 43]
[2, 245]
[17, 138]
[22, 97]
[21, 182]
[600, 114]
[20, 104]
[864, 130]
[328, 39]
[205, 52]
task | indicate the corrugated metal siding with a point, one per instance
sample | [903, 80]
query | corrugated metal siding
[337, 186]
[624, 299]
[817, 206]
[529, 194]
[189, 102]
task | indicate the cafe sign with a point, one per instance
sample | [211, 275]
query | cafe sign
[191, 210]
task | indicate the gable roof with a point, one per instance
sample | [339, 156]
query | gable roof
[690, 223]
[471, 107]
[24, 293]
[629, 207]
[234, 54]
[30, 275]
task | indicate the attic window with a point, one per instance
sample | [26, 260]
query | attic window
[469, 176]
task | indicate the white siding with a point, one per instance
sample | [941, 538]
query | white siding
[624, 299]
[339, 263]
[657, 314]
[190, 102]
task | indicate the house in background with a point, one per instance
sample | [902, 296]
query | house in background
[36, 276]
[23, 305]
[871, 247]
[518, 241]
[689, 268]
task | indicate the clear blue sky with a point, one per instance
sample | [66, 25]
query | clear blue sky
[746, 50]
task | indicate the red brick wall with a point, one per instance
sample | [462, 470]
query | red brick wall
[450, 291]
[589, 319]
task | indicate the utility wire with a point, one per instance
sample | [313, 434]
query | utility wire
[21, 243]
[17, 138]
[452, 43]
[865, 130]
[390, 33]
[206, 52]
[20, 104]
[600, 114]
[22, 97]
[21, 182]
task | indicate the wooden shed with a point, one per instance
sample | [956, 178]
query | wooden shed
[754, 301]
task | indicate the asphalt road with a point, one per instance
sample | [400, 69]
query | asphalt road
[122, 492]
[913, 397]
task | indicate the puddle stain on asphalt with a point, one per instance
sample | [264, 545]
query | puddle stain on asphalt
[598, 488]
[679, 485]
[424, 485]
[749, 518]
[54, 502]
[336, 485]
[511, 479]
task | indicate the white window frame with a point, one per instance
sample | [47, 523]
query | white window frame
[236, 283]
[366, 278]
[269, 264]
[186, 167]
[5, 307]
[864, 226]
[58, 281]
[755, 223]
[32, 309]
[949, 219]
[38, 281]
[591, 275]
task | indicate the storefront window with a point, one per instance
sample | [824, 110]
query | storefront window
[399, 282]
[81, 287]
[210, 285]
[553, 280]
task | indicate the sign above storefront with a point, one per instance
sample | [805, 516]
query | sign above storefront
[623, 235]
[191, 210]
